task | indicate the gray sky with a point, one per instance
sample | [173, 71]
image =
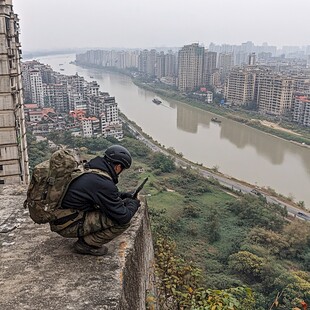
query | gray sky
[56, 24]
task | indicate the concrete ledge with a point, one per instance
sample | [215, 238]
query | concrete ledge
[39, 270]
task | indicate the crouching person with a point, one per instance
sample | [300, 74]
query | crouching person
[93, 210]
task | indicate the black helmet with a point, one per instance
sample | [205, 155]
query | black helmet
[118, 154]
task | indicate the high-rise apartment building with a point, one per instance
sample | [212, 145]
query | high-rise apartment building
[241, 58]
[160, 65]
[150, 63]
[240, 86]
[36, 88]
[190, 67]
[243, 49]
[275, 93]
[252, 59]
[301, 112]
[56, 96]
[225, 64]
[103, 58]
[170, 64]
[142, 63]
[209, 66]
[14, 167]
[34, 74]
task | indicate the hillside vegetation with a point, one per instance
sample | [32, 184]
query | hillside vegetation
[215, 249]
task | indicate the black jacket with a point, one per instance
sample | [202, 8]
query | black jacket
[90, 190]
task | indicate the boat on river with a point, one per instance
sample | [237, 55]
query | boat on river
[157, 101]
[215, 120]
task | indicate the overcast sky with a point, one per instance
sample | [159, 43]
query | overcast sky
[57, 24]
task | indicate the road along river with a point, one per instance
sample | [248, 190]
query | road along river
[235, 149]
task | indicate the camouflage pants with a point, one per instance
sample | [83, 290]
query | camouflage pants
[95, 228]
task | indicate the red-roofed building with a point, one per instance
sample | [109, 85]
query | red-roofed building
[45, 111]
[78, 114]
[30, 106]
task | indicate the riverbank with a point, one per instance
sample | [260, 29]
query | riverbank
[227, 182]
[287, 131]
[300, 136]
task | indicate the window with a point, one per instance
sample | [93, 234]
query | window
[1, 167]
[1, 181]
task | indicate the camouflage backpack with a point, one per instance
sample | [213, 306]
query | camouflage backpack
[50, 181]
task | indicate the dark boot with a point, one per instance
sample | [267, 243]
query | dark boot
[82, 247]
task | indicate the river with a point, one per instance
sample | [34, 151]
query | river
[235, 149]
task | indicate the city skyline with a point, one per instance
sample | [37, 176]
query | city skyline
[145, 24]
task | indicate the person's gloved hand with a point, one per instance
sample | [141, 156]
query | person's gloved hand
[133, 204]
[124, 195]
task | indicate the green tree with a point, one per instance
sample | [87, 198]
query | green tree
[37, 152]
[297, 234]
[276, 243]
[137, 149]
[180, 285]
[189, 183]
[163, 163]
[294, 288]
[213, 225]
[253, 211]
[191, 211]
[247, 264]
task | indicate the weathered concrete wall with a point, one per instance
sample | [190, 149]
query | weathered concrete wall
[39, 270]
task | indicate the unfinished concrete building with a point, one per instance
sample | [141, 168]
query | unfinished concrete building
[14, 168]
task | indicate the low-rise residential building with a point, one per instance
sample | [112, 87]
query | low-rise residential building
[114, 130]
[88, 126]
[35, 116]
[209, 97]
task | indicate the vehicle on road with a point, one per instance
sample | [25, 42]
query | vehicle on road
[303, 215]
[157, 101]
[256, 192]
[215, 120]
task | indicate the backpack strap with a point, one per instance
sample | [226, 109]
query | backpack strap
[98, 171]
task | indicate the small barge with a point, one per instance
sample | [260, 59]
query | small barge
[157, 101]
